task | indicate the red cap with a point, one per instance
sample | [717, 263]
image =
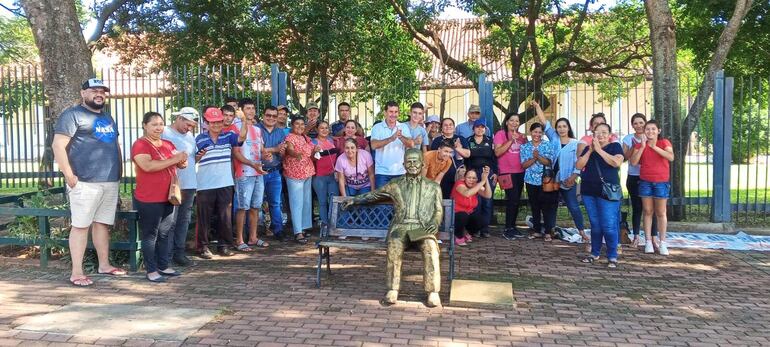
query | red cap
[213, 115]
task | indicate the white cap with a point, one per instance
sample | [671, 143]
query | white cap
[188, 113]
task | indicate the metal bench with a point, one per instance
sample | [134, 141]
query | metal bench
[366, 227]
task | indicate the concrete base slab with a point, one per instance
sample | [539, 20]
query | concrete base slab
[121, 321]
[471, 293]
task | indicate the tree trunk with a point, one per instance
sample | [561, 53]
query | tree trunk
[65, 58]
[325, 91]
[665, 88]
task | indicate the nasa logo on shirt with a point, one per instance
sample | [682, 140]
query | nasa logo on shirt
[104, 130]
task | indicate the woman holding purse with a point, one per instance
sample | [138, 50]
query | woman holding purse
[536, 158]
[508, 142]
[564, 165]
[600, 164]
[155, 196]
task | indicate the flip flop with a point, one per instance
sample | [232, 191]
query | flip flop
[114, 272]
[260, 243]
[83, 281]
[244, 248]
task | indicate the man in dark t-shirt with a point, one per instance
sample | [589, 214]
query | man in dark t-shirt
[86, 149]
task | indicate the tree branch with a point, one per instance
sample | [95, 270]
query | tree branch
[107, 10]
[724, 44]
[16, 12]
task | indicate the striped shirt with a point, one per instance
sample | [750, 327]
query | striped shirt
[215, 169]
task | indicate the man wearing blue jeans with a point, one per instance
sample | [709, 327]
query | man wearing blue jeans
[390, 139]
[180, 134]
[275, 147]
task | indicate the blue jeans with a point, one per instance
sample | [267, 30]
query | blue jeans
[325, 188]
[570, 199]
[273, 188]
[300, 204]
[183, 216]
[656, 190]
[486, 207]
[353, 192]
[381, 180]
[156, 222]
[603, 215]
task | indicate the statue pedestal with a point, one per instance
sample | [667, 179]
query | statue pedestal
[481, 294]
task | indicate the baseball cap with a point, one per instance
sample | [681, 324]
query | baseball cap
[213, 115]
[432, 119]
[311, 105]
[480, 122]
[280, 107]
[188, 113]
[94, 83]
[474, 109]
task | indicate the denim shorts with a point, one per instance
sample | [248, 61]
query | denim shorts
[249, 192]
[656, 190]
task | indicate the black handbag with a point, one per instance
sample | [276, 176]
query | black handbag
[610, 191]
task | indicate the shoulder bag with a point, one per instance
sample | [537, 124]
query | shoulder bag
[610, 191]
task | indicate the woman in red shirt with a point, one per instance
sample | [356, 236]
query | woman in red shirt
[653, 155]
[324, 185]
[351, 132]
[465, 194]
[156, 162]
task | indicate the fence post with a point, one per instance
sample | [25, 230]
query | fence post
[723, 133]
[278, 85]
[486, 100]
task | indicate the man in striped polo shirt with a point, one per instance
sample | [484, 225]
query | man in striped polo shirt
[215, 181]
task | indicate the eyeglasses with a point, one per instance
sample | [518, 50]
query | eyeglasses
[268, 115]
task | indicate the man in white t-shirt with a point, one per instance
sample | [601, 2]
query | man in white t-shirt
[390, 139]
[416, 127]
[180, 134]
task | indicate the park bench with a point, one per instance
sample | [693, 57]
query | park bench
[365, 227]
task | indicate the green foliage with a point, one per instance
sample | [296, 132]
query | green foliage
[318, 42]
[751, 122]
[17, 45]
[700, 23]
[26, 227]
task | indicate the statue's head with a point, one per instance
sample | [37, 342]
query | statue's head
[413, 162]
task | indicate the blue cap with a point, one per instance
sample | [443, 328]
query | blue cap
[480, 122]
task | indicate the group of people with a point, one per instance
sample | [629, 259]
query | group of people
[240, 160]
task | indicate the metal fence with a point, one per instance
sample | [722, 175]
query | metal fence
[136, 91]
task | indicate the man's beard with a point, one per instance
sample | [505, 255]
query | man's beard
[92, 104]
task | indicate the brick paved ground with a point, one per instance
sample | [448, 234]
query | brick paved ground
[693, 297]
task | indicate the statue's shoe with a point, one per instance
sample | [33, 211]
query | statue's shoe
[391, 297]
[433, 300]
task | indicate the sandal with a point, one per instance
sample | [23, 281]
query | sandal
[114, 272]
[301, 239]
[589, 260]
[261, 243]
[612, 264]
[82, 281]
[635, 242]
[244, 248]
[547, 238]
[534, 236]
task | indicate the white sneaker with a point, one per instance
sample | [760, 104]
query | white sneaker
[648, 247]
[662, 248]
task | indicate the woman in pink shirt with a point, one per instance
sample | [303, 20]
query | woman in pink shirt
[324, 185]
[507, 143]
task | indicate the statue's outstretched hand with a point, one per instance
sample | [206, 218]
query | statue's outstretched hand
[347, 203]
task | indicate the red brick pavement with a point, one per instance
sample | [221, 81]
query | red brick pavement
[268, 298]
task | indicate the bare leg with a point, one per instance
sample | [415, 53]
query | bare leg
[240, 219]
[647, 208]
[660, 214]
[78, 240]
[100, 233]
[253, 225]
